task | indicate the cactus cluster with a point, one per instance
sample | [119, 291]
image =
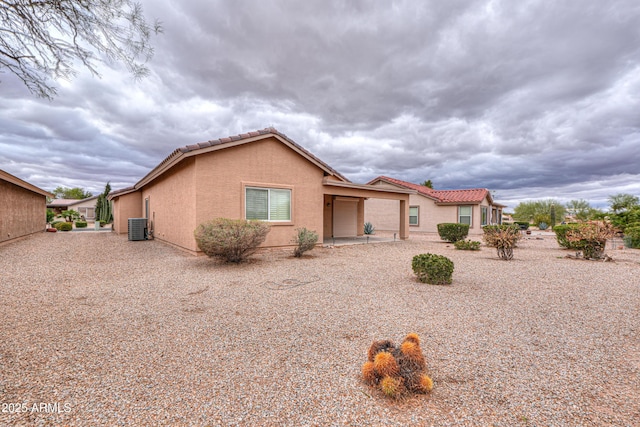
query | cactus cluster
[397, 370]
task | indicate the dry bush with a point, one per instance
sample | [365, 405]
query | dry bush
[231, 239]
[591, 237]
[503, 238]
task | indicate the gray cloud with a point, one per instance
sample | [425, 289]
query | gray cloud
[531, 99]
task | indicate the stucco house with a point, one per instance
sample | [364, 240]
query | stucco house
[428, 207]
[85, 207]
[258, 175]
[22, 208]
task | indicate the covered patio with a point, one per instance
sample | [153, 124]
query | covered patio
[343, 212]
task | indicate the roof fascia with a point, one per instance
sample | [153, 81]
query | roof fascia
[6, 176]
[182, 153]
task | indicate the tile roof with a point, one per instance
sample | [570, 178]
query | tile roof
[472, 195]
[67, 202]
[248, 135]
[231, 140]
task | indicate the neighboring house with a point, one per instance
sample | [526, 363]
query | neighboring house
[22, 208]
[507, 217]
[259, 175]
[85, 207]
[428, 207]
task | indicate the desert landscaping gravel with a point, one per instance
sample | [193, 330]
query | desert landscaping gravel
[99, 330]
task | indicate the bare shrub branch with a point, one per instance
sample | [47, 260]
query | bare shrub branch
[43, 40]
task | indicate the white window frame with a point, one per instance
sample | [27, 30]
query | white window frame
[269, 192]
[484, 215]
[417, 215]
[470, 214]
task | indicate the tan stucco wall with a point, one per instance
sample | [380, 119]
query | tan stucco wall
[125, 207]
[172, 205]
[223, 175]
[22, 212]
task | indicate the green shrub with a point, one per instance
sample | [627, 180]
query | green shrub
[632, 237]
[63, 226]
[103, 223]
[50, 215]
[543, 226]
[432, 269]
[53, 224]
[369, 228]
[467, 245]
[630, 225]
[524, 225]
[561, 235]
[503, 238]
[452, 232]
[305, 240]
[231, 239]
[81, 224]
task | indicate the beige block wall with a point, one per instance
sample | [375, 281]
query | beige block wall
[22, 212]
[223, 175]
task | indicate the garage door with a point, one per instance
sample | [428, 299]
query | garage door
[345, 218]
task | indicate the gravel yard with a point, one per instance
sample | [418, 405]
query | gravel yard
[97, 330]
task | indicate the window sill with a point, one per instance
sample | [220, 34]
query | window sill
[279, 223]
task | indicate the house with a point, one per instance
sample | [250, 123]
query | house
[22, 208]
[85, 207]
[428, 207]
[258, 175]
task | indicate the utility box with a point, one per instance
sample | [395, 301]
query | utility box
[137, 228]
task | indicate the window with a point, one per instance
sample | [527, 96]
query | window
[464, 215]
[268, 204]
[413, 215]
[483, 211]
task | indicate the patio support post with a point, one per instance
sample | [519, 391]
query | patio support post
[360, 219]
[404, 218]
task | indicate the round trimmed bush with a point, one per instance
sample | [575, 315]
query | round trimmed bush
[433, 269]
[452, 232]
[81, 224]
[64, 226]
[561, 235]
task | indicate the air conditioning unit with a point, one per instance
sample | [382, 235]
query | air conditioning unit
[137, 228]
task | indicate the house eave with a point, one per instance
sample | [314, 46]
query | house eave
[24, 184]
[365, 190]
[185, 152]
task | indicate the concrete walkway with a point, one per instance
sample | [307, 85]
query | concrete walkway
[359, 240]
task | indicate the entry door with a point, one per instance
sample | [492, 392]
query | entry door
[345, 218]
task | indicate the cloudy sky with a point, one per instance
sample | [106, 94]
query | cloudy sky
[530, 99]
